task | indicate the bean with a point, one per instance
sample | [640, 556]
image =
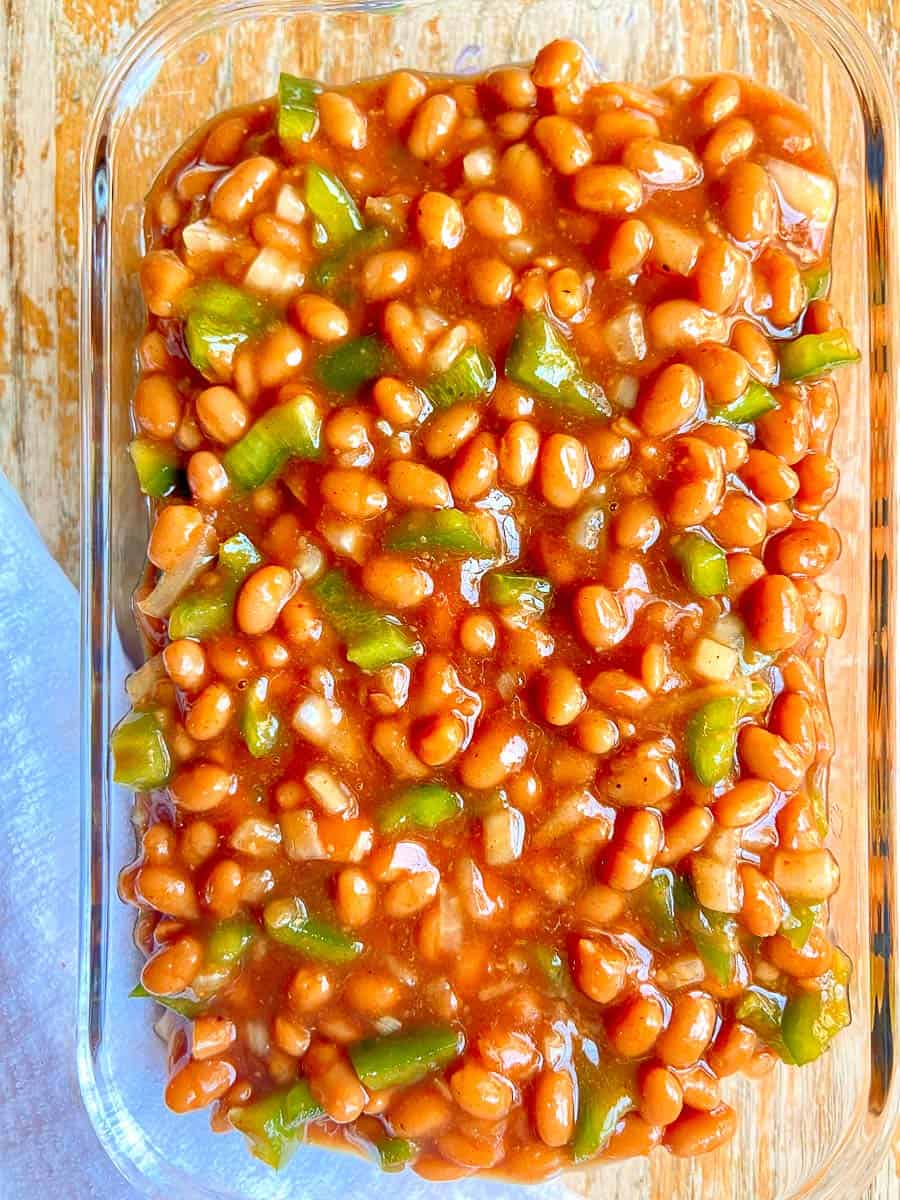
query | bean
[199, 1083]
[440, 221]
[563, 469]
[614, 128]
[198, 842]
[433, 126]
[566, 293]
[633, 1138]
[207, 478]
[342, 122]
[440, 739]
[396, 581]
[730, 142]
[291, 1037]
[554, 1107]
[177, 528]
[768, 477]
[355, 897]
[770, 757]
[661, 1096]
[388, 274]
[475, 469]
[373, 993]
[420, 1112]
[557, 63]
[201, 786]
[628, 247]
[740, 522]
[491, 280]
[157, 406]
[689, 1032]
[496, 752]
[417, 486]
[402, 94]
[804, 551]
[446, 432]
[562, 695]
[167, 889]
[719, 276]
[518, 453]
[596, 732]
[724, 372]
[749, 209]
[211, 713]
[262, 598]
[242, 189]
[685, 831]
[398, 402]
[173, 969]
[321, 318]
[662, 164]
[211, 1037]
[744, 804]
[608, 189]
[817, 482]
[676, 324]
[700, 1088]
[164, 279]
[701, 1132]
[635, 1026]
[185, 663]
[564, 144]
[670, 401]
[599, 616]
[697, 480]
[354, 493]
[481, 1093]
[514, 87]
[339, 1091]
[733, 1049]
[494, 215]
[600, 968]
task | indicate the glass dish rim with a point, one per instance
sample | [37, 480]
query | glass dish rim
[167, 27]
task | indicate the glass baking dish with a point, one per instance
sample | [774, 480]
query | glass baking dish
[818, 1132]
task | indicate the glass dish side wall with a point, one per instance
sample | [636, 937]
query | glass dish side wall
[184, 66]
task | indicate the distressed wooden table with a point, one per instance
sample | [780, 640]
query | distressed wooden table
[52, 56]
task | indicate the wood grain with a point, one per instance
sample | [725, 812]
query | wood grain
[53, 54]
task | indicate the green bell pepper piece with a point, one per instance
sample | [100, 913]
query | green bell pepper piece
[259, 724]
[219, 317]
[553, 966]
[228, 943]
[288, 922]
[177, 1004]
[542, 361]
[289, 430]
[274, 1123]
[703, 564]
[752, 403]
[715, 935]
[353, 364]
[762, 1011]
[710, 738]
[817, 352]
[423, 806]
[205, 613]
[298, 110]
[472, 375]
[654, 903]
[395, 1152]
[518, 591]
[446, 531]
[331, 204]
[405, 1057]
[141, 759]
[330, 271]
[817, 281]
[812, 1019]
[798, 923]
[156, 466]
[605, 1094]
[373, 639]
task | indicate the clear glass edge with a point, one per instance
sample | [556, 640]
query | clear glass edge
[854, 1158]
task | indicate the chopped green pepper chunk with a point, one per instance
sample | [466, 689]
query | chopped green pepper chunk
[423, 806]
[817, 352]
[289, 430]
[331, 204]
[288, 922]
[752, 403]
[203, 614]
[762, 1011]
[710, 739]
[330, 271]
[605, 1095]
[219, 317]
[141, 759]
[448, 530]
[798, 923]
[259, 724]
[229, 942]
[816, 280]
[472, 375]
[156, 465]
[352, 364]
[398, 1059]
[395, 1152]
[274, 1123]
[372, 638]
[553, 966]
[812, 1019]
[541, 360]
[184, 1008]
[715, 935]
[654, 903]
[703, 564]
[298, 111]
[518, 591]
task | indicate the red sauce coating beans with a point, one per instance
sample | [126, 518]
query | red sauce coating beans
[487, 424]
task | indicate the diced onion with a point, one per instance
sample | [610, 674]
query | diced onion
[685, 970]
[806, 195]
[585, 530]
[386, 1025]
[256, 1035]
[256, 836]
[504, 836]
[173, 583]
[625, 335]
[300, 834]
[478, 904]
[831, 614]
[717, 885]
[391, 211]
[289, 205]
[573, 810]
[345, 537]
[331, 793]
[207, 237]
[450, 921]
[141, 684]
[480, 166]
[274, 274]
[623, 391]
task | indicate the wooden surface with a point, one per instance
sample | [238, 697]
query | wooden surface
[52, 56]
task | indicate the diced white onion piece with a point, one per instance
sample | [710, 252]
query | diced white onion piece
[173, 583]
[480, 166]
[805, 195]
[509, 684]
[450, 921]
[504, 836]
[712, 661]
[623, 391]
[675, 248]
[167, 1025]
[729, 630]
[332, 793]
[289, 205]
[207, 236]
[474, 895]
[256, 1035]
[391, 211]
[274, 274]
[717, 885]
[386, 1025]
[625, 335]
[684, 970]
[831, 614]
[431, 320]
[573, 810]
[495, 990]
[141, 683]
[585, 530]
[723, 845]
[300, 834]
[345, 537]
[447, 349]
[256, 836]
[317, 718]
